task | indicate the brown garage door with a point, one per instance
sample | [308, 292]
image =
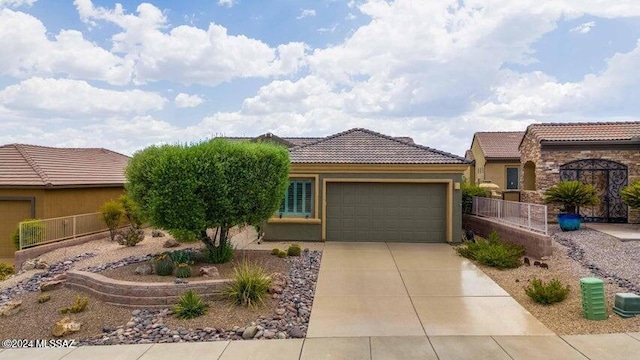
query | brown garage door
[391, 212]
[11, 213]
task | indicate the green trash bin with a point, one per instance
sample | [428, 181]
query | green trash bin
[594, 305]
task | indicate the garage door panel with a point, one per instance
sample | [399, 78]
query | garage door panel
[386, 212]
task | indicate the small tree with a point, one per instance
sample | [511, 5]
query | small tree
[631, 195]
[468, 192]
[131, 211]
[112, 213]
[571, 195]
[215, 184]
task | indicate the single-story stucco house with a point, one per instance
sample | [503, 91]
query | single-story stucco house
[605, 155]
[496, 158]
[360, 185]
[46, 182]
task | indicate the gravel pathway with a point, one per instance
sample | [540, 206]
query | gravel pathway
[606, 256]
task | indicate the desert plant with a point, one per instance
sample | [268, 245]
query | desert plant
[183, 271]
[275, 251]
[294, 250]
[163, 265]
[249, 285]
[214, 184]
[493, 252]
[44, 298]
[571, 195]
[131, 211]
[282, 254]
[183, 236]
[547, 293]
[181, 257]
[79, 305]
[131, 237]
[190, 306]
[112, 213]
[468, 192]
[6, 271]
[33, 231]
[631, 195]
[220, 254]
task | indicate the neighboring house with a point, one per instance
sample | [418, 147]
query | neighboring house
[470, 172]
[606, 155]
[496, 158]
[45, 182]
[360, 185]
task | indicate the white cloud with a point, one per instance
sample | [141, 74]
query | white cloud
[16, 3]
[28, 51]
[584, 28]
[227, 3]
[183, 100]
[75, 98]
[306, 13]
[187, 54]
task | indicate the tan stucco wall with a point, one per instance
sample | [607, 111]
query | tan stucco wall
[65, 202]
[497, 172]
[478, 155]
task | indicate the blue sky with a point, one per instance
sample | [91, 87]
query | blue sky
[130, 74]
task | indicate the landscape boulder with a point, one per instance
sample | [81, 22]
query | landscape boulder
[143, 270]
[52, 285]
[209, 271]
[10, 308]
[65, 326]
[157, 233]
[170, 243]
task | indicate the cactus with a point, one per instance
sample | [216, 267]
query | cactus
[164, 265]
[275, 251]
[78, 306]
[294, 250]
[282, 254]
[44, 298]
[183, 271]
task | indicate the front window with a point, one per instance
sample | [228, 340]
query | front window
[298, 200]
[512, 179]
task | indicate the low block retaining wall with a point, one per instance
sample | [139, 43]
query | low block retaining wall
[535, 244]
[21, 256]
[135, 294]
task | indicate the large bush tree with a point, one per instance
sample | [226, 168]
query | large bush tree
[215, 184]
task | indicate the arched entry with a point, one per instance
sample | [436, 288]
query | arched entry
[608, 178]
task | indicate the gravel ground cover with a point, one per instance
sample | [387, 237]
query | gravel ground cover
[578, 254]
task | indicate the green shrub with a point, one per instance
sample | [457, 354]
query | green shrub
[131, 211]
[163, 265]
[275, 251]
[112, 214]
[631, 195]
[33, 232]
[130, 237]
[44, 298]
[547, 293]
[468, 192]
[493, 252]
[78, 306]
[6, 271]
[183, 236]
[220, 254]
[249, 286]
[183, 271]
[294, 250]
[282, 254]
[181, 257]
[190, 306]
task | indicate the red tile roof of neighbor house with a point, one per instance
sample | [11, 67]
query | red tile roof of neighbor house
[596, 131]
[297, 141]
[500, 145]
[30, 165]
[362, 146]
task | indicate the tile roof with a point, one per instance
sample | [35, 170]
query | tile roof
[500, 145]
[30, 165]
[596, 131]
[299, 140]
[362, 146]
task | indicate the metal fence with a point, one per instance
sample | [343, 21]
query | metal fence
[529, 216]
[38, 232]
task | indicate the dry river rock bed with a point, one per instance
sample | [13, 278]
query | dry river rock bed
[578, 254]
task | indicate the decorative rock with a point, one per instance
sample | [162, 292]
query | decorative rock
[296, 333]
[275, 289]
[60, 277]
[282, 335]
[269, 334]
[170, 244]
[118, 238]
[157, 233]
[180, 281]
[135, 312]
[249, 332]
[143, 270]
[65, 326]
[10, 308]
[41, 264]
[280, 311]
[28, 265]
[51, 285]
[209, 271]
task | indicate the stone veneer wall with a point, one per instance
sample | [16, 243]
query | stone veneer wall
[136, 294]
[548, 169]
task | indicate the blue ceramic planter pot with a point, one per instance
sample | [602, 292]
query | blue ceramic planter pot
[569, 222]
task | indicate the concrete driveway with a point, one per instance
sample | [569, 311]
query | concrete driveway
[380, 289]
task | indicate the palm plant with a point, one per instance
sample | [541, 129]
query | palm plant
[571, 195]
[631, 195]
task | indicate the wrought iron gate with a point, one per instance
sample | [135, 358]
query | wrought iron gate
[608, 178]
